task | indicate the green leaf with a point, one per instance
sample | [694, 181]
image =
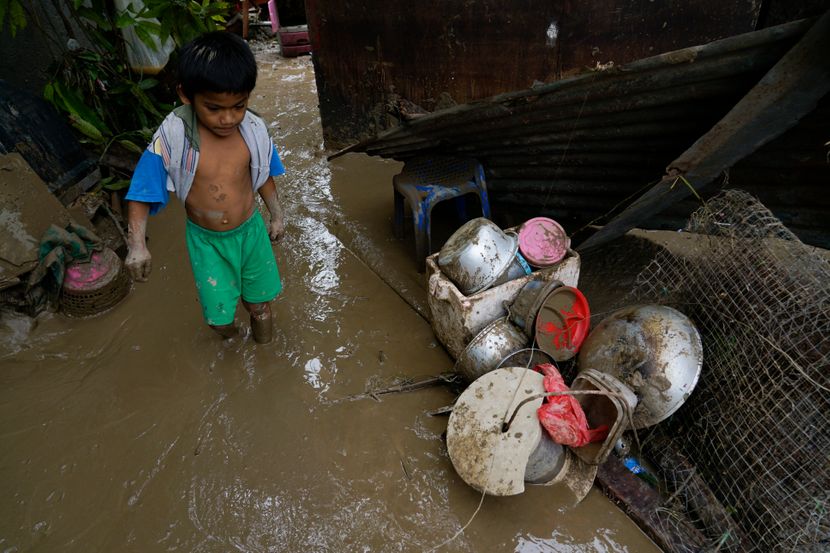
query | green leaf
[120, 88]
[100, 21]
[154, 12]
[16, 15]
[145, 101]
[152, 27]
[132, 146]
[147, 84]
[124, 19]
[166, 27]
[71, 102]
[87, 128]
[116, 185]
[89, 55]
[145, 37]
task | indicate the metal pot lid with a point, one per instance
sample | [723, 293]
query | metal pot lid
[655, 350]
[486, 458]
[543, 241]
[562, 323]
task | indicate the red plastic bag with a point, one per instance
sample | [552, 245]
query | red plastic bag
[562, 416]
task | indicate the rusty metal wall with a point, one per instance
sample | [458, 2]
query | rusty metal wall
[581, 149]
[373, 56]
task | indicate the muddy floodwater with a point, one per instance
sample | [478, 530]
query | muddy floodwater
[139, 430]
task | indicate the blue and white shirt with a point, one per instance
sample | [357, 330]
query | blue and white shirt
[169, 163]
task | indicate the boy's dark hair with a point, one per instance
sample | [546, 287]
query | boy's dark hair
[218, 61]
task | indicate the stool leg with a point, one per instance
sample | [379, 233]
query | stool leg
[397, 223]
[481, 184]
[485, 202]
[422, 235]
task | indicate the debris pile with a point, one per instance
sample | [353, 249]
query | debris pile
[518, 422]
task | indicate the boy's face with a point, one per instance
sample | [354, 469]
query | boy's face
[218, 112]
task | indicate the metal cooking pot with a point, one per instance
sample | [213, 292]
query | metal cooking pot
[545, 462]
[528, 302]
[517, 268]
[477, 254]
[527, 358]
[654, 350]
[489, 348]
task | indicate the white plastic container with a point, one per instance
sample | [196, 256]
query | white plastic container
[456, 318]
[143, 59]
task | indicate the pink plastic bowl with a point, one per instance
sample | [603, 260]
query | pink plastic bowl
[543, 242]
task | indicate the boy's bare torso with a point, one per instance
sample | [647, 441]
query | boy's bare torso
[221, 197]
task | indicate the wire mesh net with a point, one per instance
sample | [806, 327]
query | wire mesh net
[746, 461]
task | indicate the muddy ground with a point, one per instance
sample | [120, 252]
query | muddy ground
[138, 430]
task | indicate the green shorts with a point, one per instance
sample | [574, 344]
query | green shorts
[233, 263]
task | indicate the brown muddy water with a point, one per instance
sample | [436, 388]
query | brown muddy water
[139, 430]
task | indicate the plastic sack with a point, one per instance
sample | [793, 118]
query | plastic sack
[562, 416]
[141, 58]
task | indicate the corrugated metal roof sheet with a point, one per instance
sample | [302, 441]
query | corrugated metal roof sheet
[579, 149]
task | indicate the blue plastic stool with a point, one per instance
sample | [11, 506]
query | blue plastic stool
[424, 182]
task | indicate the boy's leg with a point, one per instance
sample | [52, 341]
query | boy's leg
[216, 279]
[260, 279]
[261, 324]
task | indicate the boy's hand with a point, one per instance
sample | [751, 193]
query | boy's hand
[276, 229]
[139, 263]
[138, 260]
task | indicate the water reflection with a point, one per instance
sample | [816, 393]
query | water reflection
[603, 542]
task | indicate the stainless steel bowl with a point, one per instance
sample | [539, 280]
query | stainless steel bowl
[489, 348]
[477, 254]
[654, 350]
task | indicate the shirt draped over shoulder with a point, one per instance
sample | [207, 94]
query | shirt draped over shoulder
[169, 163]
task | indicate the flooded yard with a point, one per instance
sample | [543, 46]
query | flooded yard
[139, 430]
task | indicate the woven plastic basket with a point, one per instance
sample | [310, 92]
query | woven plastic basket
[95, 286]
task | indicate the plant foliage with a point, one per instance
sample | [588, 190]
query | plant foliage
[12, 15]
[106, 100]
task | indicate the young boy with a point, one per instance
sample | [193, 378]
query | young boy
[214, 154]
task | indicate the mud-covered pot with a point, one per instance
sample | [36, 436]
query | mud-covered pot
[522, 312]
[477, 254]
[489, 348]
[654, 350]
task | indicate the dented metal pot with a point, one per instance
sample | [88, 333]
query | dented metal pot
[489, 348]
[655, 350]
[478, 255]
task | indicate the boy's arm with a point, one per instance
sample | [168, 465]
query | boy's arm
[147, 195]
[138, 261]
[268, 193]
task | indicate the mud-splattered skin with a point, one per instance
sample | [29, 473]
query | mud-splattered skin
[139, 430]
